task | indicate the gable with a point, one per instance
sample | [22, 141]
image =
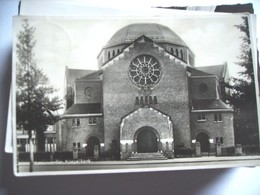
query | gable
[73, 74]
[95, 75]
[219, 70]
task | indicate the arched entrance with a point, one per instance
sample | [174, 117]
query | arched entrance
[203, 138]
[91, 143]
[146, 140]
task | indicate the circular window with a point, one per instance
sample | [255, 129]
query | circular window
[145, 70]
[88, 92]
[203, 88]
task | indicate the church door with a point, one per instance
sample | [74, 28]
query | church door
[203, 138]
[147, 141]
[91, 143]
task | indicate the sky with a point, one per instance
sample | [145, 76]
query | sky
[76, 42]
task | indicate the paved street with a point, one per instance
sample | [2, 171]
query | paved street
[84, 167]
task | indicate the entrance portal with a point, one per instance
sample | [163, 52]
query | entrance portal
[146, 140]
[91, 143]
[203, 138]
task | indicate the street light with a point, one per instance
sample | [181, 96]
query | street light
[30, 133]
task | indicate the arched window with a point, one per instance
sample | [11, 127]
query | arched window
[142, 100]
[137, 101]
[154, 99]
[177, 53]
[146, 100]
[181, 54]
[150, 100]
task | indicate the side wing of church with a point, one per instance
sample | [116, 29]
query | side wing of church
[146, 97]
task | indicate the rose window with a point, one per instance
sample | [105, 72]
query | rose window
[145, 70]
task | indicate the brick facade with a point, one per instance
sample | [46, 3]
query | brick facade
[78, 133]
[166, 111]
[120, 93]
[88, 92]
[215, 129]
[210, 93]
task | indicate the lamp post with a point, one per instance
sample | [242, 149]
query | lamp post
[30, 133]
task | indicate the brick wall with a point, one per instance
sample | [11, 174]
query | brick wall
[95, 88]
[214, 129]
[149, 118]
[210, 93]
[119, 93]
[81, 133]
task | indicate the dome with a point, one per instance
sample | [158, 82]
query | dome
[156, 32]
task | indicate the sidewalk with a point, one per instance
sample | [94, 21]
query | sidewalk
[175, 160]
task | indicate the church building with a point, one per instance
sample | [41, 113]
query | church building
[146, 97]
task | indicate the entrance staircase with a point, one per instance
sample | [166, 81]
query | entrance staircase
[147, 156]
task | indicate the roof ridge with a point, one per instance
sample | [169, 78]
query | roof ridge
[87, 75]
[211, 65]
[200, 71]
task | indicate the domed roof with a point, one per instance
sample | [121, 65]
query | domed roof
[156, 32]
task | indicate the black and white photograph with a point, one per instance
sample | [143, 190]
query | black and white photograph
[132, 94]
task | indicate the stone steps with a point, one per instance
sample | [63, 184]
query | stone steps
[147, 156]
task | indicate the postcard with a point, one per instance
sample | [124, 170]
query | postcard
[126, 94]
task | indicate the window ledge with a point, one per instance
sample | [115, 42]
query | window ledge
[76, 127]
[203, 120]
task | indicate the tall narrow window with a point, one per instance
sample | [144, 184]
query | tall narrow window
[73, 122]
[177, 53]
[172, 51]
[146, 100]
[150, 100]
[181, 54]
[220, 117]
[142, 100]
[155, 100]
[221, 140]
[215, 117]
[78, 122]
[114, 53]
[118, 51]
[108, 55]
[137, 101]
